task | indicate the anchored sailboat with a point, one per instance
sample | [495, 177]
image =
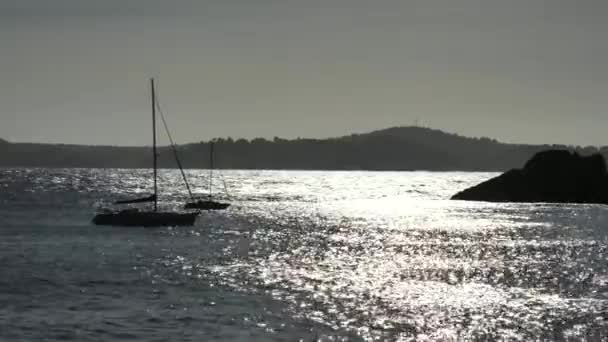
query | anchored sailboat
[209, 203]
[155, 218]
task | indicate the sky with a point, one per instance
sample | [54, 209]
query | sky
[526, 71]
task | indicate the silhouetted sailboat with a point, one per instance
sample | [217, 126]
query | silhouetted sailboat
[155, 218]
[209, 203]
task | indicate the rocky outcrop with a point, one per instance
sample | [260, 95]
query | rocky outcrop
[557, 176]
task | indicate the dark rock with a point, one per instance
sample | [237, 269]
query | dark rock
[557, 176]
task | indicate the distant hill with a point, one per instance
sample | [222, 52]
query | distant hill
[396, 148]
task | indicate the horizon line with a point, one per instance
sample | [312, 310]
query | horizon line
[270, 139]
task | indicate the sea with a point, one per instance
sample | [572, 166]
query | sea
[298, 256]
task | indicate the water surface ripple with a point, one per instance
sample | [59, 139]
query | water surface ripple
[300, 255]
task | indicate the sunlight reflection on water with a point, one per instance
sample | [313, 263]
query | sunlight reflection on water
[378, 255]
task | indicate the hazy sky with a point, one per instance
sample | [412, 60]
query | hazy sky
[76, 71]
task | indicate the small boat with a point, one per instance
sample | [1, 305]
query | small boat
[146, 218]
[209, 203]
[206, 205]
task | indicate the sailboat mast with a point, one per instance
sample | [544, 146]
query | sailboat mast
[210, 167]
[154, 144]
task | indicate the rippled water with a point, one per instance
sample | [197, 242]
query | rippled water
[311, 256]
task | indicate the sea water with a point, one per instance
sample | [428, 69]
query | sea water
[298, 256]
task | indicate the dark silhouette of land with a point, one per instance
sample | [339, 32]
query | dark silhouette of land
[397, 148]
[557, 176]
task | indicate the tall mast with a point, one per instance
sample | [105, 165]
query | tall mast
[154, 144]
[210, 167]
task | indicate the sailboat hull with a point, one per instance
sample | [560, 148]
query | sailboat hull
[145, 219]
[206, 205]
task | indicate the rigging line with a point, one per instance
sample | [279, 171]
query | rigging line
[224, 182]
[221, 176]
[225, 187]
[179, 164]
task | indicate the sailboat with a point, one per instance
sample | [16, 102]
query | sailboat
[146, 218]
[209, 203]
